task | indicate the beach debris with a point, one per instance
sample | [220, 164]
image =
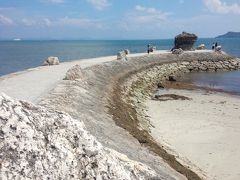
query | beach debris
[185, 41]
[177, 51]
[122, 56]
[74, 73]
[168, 97]
[201, 47]
[127, 51]
[38, 143]
[51, 61]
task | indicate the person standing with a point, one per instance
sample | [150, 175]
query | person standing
[216, 44]
[213, 46]
[148, 49]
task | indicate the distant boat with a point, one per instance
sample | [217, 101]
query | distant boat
[17, 39]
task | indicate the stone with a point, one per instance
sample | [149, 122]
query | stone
[122, 56]
[51, 61]
[38, 143]
[74, 73]
[160, 85]
[234, 63]
[202, 68]
[201, 47]
[219, 65]
[177, 51]
[185, 63]
[172, 78]
[185, 41]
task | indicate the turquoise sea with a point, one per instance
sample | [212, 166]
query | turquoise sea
[19, 55]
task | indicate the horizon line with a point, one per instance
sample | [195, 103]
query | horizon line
[137, 39]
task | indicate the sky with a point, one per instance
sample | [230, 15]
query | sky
[116, 19]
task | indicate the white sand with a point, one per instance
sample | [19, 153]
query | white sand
[203, 132]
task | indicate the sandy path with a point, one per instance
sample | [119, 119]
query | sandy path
[204, 131]
[32, 84]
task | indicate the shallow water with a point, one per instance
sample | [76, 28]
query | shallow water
[227, 81]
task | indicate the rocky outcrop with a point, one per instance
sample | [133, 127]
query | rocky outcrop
[37, 143]
[74, 73]
[51, 61]
[185, 41]
[202, 66]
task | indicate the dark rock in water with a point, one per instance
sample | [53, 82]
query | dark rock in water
[185, 41]
[172, 78]
[169, 97]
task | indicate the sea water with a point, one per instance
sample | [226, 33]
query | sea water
[20, 55]
[227, 81]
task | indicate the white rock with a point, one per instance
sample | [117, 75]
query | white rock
[74, 73]
[201, 47]
[51, 61]
[121, 56]
[37, 143]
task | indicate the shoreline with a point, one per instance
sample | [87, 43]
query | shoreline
[140, 117]
[113, 93]
[200, 132]
[192, 87]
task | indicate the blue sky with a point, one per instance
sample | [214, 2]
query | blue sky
[116, 19]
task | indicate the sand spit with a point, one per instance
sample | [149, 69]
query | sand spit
[115, 92]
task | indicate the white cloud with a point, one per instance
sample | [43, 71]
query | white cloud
[28, 22]
[145, 21]
[56, 1]
[80, 22]
[148, 15]
[144, 9]
[47, 22]
[99, 4]
[6, 20]
[218, 6]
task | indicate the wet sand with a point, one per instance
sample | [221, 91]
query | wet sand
[202, 132]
